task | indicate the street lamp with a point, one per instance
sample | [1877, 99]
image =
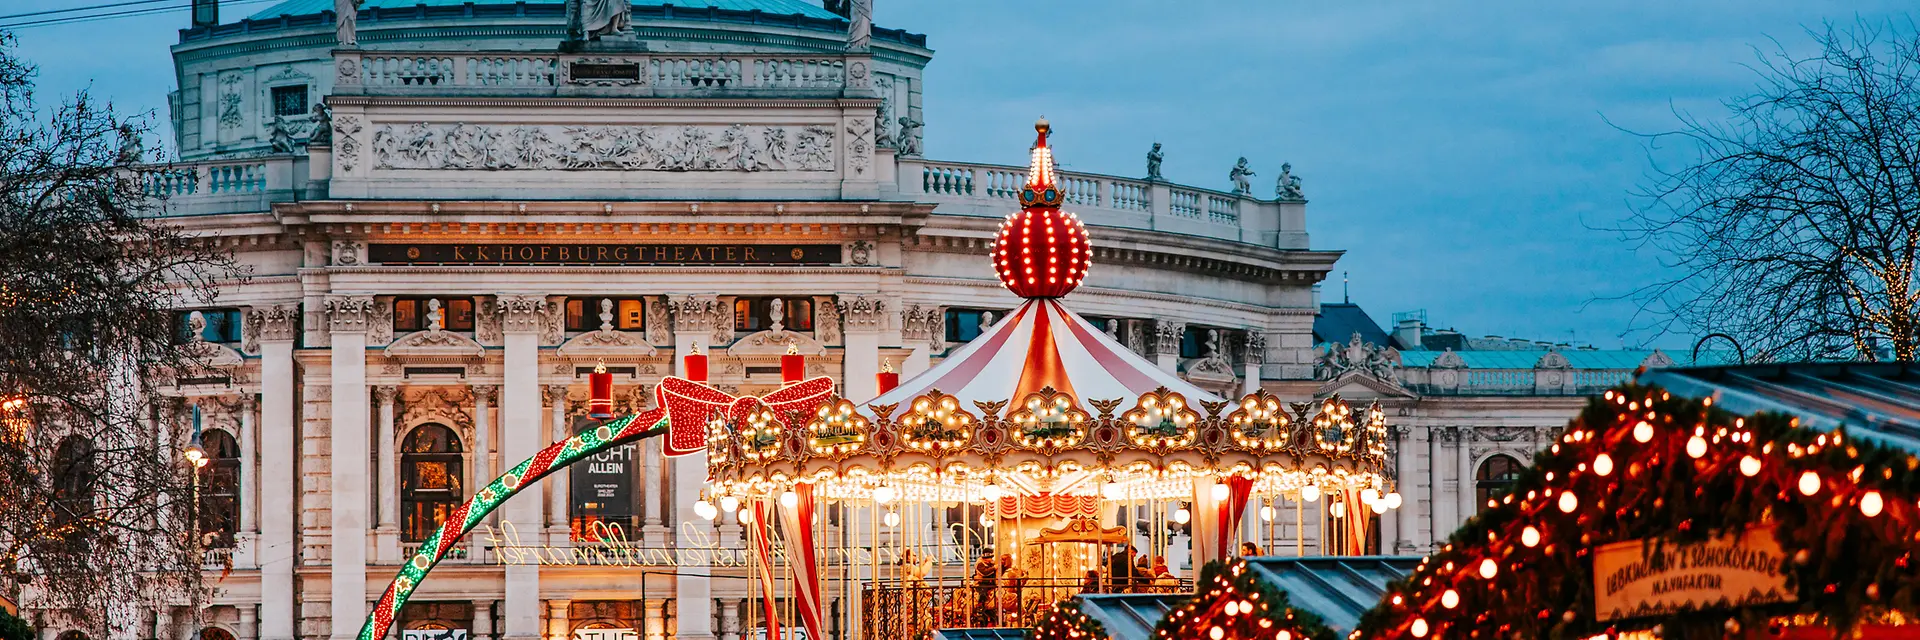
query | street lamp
[196, 456]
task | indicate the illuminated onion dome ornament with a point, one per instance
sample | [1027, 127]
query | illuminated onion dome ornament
[1041, 251]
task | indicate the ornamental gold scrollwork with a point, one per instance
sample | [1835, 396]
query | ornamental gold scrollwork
[1162, 422]
[837, 430]
[1048, 421]
[936, 425]
[1260, 423]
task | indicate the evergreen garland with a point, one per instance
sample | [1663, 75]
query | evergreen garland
[1065, 621]
[1231, 603]
[1849, 546]
[14, 628]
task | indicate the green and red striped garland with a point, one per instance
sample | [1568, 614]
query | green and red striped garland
[613, 433]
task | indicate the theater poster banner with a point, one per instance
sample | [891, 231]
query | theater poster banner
[1728, 571]
[434, 634]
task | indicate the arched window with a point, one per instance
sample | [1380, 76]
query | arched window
[215, 633]
[430, 468]
[1495, 478]
[73, 480]
[219, 490]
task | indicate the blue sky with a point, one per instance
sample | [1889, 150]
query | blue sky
[1459, 151]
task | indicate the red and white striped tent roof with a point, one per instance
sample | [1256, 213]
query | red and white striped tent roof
[1039, 345]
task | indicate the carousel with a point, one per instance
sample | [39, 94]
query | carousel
[1041, 461]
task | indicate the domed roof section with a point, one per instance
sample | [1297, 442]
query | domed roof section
[773, 7]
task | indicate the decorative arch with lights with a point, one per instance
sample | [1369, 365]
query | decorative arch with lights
[1640, 464]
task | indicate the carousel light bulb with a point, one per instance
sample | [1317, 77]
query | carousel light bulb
[1113, 491]
[1603, 465]
[1809, 483]
[1369, 495]
[986, 521]
[1339, 509]
[1871, 504]
[1450, 599]
[729, 504]
[1489, 568]
[1309, 493]
[1530, 537]
[705, 510]
[1182, 516]
[892, 519]
[1749, 466]
[1696, 446]
[1266, 514]
[1379, 507]
[746, 517]
[991, 492]
[1219, 492]
[1394, 500]
[789, 499]
[1216, 633]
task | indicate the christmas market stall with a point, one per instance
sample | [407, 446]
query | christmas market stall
[1777, 501]
[1320, 597]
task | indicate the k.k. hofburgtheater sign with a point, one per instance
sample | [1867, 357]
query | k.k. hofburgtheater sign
[605, 254]
[1729, 571]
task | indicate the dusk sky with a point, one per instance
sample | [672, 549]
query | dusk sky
[1460, 152]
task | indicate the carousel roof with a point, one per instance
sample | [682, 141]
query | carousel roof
[1039, 345]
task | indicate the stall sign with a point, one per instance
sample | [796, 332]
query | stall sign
[1728, 571]
[605, 634]
[434, 634]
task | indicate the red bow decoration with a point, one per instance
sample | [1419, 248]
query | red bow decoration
[691, 406]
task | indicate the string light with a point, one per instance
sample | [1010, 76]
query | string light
[1696, 446]
[1450, 599]
[1871, 504]
[1749, 466]
[1309, 493]
[1530, 537]
[1643, 432]
[1809, 483]
[1489, 568]
[1603, 465]
[1568, 503]
[1181, 516]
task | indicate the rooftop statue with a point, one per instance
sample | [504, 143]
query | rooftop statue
[1287, 186]
[859, 25]
[346, 20]
[1153, 163]
[604, 18]
[281, 139]
[1239, 175]
[322, 118]
[908, 140]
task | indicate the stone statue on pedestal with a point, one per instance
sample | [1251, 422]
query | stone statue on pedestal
[1239, 175]
[599, 18]
[280, 140]
[908, 140]
[346, 20]
[1287, 186]
[1153, 163]
[859, 25]
[322, 118]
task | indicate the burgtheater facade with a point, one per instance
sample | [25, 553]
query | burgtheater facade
[454, 212]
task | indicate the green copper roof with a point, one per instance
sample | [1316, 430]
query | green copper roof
[775, 7]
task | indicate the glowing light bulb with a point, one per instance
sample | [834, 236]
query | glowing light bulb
[1379, 507]
[789, 499]
[705, 510]
[1809, 483]
[1216, 633]
[1339, 509]
[892, 519]
[986, 520]
[991, 492]
[1266, 514]
[1568, 502]
[883, 494]
[1530, 537]
[1603, 465]
[1871, 504]
[1489, 568]
[1310, 493]
[1182, 516]
[1749, 466]
[1696, 446]
[1369, 495]
[746, 517]
[1643, 431]
[1418, 628]
[1219, 492]
[1233, 608]
[1113, 491]
[1393, 500]
[1450, 599]
[729, 504]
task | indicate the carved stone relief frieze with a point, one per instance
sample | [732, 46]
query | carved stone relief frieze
[232, 104]
[346, 142]
[860, 145]
[860, 252]
[522, 313]
[348, 313]
[1518, 442]
[657, 321]
[883, 85]
[863, 313]
[463, 146]
[486, 323]
[924, 324]
[1166, 337]
[826, 321]
[450, 406]
[349, 253]
[270, 322]
[380, 321]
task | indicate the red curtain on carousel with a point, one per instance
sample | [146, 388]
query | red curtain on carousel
[798, 524]
[1215, 520]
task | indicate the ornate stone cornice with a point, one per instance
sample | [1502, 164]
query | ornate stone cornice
[488, 392]
[521, 313]
[348, 314]
[553, 394]
[386, 393]
[862, 313]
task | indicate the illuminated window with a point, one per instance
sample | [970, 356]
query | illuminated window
[219, 489]
[73, 480]
[1495, 478]
[629, 314]
[410, 314]
[430, 475]
[223, 325]
[756, 314]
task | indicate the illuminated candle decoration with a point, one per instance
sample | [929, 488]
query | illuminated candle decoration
[793, 366]
[696, 364]
[887, 379]
[600, 402]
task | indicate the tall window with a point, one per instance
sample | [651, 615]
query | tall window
[963, 325]
[1495, 478]
[629, 314]
[223, 325]
[219, 490]
[410, 314]
[73, 480]
[430, 468]
[756, 314]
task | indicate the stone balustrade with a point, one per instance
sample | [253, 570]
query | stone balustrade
[625, 75]
[1511, 382]
[224, 186]
[964, 188]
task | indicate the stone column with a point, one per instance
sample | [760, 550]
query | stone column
[862, 318]
[653, 623]
[483, 434]
[1405, 525]
[560, 499]
[696, 319]
[387, 536]
[1166, 344]
[482, 626]
[1468, 505]
[1443, 505]
[347, 318]
[730, 619]
[653, 530]
[558, 624]
[276, 327]
[521, 318]
[249, 622]
[249, 482]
